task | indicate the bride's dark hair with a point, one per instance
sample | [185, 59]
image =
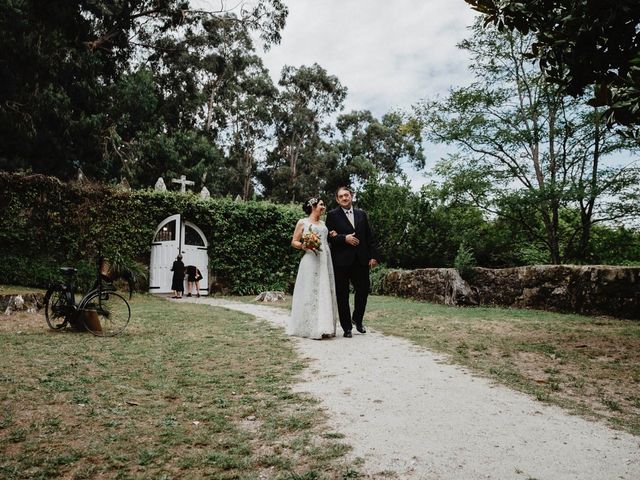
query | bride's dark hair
[307, 206]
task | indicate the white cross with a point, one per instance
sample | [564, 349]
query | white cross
[183, 182]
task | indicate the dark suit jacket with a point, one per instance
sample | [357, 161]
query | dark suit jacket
[342, 253]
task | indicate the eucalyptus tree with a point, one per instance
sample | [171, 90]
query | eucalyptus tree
[308, 97]
[368, 147]
[219, 85]
[528, 151]
[248, 102]
[65, 66]
[240, 107]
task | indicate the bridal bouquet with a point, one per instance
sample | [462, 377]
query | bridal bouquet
[311, 241]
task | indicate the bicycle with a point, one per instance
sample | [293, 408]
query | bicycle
[112, 311]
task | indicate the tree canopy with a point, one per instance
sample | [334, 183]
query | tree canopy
[117, 89]
[529, 153]
[140, 89]
[588, 46]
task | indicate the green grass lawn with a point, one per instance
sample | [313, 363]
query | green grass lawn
[587, 365]
[187, 391]
[192, 391]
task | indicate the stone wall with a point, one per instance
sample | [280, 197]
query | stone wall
[29, 302]
[590, 290]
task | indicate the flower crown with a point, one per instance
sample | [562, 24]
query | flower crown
[313, 201]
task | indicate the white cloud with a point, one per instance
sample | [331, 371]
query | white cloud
[388, 54]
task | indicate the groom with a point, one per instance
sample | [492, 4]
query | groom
[353, 251]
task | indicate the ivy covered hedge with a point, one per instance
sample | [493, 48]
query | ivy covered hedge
[45, 223]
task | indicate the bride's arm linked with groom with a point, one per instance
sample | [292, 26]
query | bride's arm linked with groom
[321, 291]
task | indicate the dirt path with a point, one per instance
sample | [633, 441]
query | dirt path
[404, 410]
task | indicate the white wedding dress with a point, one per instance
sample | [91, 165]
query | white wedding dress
[314, 311]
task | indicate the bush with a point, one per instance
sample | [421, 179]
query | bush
[465, 262]
[29, 271]
[46, 224]
[377, 278]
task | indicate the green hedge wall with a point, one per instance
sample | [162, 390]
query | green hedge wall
[45, 223]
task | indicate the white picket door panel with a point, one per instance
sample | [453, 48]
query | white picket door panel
[164, 250]
[194, 252]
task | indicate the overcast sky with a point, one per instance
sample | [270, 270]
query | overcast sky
[389, 54]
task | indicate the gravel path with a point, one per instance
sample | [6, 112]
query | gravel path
[405, 410]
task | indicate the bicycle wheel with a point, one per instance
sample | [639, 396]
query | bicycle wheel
[106, 314]
[56, 308]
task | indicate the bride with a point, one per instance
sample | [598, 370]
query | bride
[313, 309]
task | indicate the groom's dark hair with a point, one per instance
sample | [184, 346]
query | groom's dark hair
[344, 187]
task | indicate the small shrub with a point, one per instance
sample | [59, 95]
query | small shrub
[127, 273]
[612, 404]
[532, 255]
[465, 261]
[377, 278]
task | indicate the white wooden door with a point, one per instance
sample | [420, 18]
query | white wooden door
[175, 236]
[194, 252]
[165, 247]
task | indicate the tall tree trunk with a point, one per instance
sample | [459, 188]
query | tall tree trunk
[586, 210]
[551, 188]
[546, 207]
[246, 174]
[550, 222]
[211, 101]
[294, 150]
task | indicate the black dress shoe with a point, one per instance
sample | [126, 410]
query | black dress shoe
[361, 328]
[347, 334]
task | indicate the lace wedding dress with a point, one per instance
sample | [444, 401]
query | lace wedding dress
[314, 311]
